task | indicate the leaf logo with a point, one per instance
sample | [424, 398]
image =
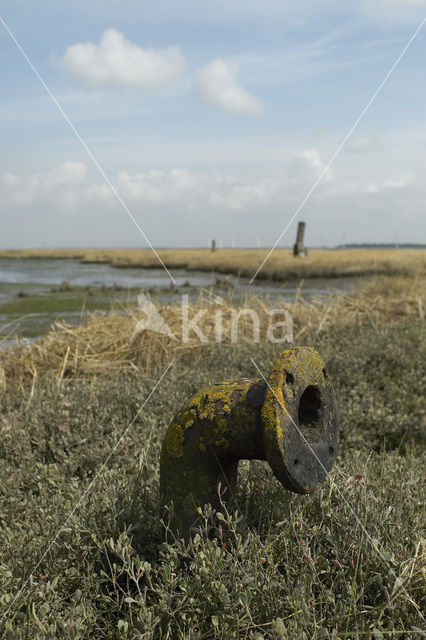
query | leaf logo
[153, 321]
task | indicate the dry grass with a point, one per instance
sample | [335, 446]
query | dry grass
[103, 345]
[280, 266]
[80, 467]
[43, 253]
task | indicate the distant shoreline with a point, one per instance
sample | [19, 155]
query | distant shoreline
[80, 250]
[280, 265]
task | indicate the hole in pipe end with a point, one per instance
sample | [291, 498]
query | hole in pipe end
[309, 450]
[300, 420]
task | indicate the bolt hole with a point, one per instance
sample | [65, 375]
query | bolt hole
[289, 378]
[325, 374]
[296, 462]
[330, 450]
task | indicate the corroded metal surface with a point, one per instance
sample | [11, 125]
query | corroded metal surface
[290, 421]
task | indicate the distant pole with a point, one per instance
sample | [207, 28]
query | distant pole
[213, 245]
[299, 247]
[395, 240]
[233, 242]
[258, 242]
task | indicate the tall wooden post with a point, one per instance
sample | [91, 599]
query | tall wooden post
[299, 247]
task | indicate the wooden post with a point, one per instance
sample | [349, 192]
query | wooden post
[213, 245]
[299, 247]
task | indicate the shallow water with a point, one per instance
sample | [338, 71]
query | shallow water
[25, 271]
[40, 279]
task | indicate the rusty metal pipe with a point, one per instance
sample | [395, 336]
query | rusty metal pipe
[290, 421]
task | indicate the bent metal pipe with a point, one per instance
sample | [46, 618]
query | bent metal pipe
[290, 421]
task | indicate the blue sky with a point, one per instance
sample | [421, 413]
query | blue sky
[211, 119]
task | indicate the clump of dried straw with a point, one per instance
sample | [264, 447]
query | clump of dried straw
[106, 344]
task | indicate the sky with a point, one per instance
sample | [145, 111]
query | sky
[206, 120]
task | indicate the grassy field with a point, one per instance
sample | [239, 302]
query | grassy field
[281, 265]
[347, 562]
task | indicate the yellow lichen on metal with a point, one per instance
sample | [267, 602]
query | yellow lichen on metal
[304, 365]
[206, 402]
[233, 420]
[174, 440]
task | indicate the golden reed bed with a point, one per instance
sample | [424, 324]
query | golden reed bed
[281, 265]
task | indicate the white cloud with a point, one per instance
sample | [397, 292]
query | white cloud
[67, 186]
[217, 85]
[154, 188]
[157, 187]
[307, 167]
[362, 144]
[181, 206]
[165, 194]
[196, 190]
[242, 195]
[63, 180]
[116, 62]
[399, 182]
